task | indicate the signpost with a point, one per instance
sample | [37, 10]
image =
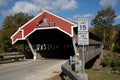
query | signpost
[83, 37]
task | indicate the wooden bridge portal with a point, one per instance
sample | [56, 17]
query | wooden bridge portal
[52, 36]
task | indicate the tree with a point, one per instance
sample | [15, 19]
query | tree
[97, 31]
[1, 43]
[117, 42]
[105, 19]
[10, 25]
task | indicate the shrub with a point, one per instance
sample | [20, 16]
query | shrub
[116, 64]
[105, 62]
[116, 48]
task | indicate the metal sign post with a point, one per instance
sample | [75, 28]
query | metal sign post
[83, 59]
[83, 37]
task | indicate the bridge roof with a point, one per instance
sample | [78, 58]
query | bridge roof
[44, 20]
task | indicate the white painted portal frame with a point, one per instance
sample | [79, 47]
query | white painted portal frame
[30, 46]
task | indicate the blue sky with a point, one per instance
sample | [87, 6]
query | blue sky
[69, 9]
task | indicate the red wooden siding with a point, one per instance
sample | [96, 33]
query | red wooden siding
[17, 36]
[60, 23]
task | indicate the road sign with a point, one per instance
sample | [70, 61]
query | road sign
[83, 33]
[83, 37]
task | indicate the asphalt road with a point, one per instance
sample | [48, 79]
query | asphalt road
[25, 70]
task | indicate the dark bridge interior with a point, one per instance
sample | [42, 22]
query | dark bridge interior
[52, 43]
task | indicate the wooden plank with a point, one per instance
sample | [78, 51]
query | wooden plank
[12, 56]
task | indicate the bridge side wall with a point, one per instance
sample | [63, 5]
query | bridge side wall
[91, 51]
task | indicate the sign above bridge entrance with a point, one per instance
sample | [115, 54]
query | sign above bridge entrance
[45, 23]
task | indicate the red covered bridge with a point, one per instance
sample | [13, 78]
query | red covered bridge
[44, 28]
[50, 34]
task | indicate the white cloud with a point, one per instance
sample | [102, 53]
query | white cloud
[65, 4]
[106, 3]
[36, 5]
[3, 3]
[88, 15]
[25, 7]
[56, 4]
[43, 4]
[76, 17]
[117, 18]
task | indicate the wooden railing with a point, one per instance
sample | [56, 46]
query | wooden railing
[10, 57]
[90, 54]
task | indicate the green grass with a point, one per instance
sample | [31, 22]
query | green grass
[92, 75]
[98, 75]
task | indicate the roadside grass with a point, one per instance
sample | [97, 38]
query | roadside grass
[57, 77]
[92, 75]
[99, 75]
[61, 76]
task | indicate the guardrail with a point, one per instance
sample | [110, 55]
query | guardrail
[69, 68]
[11, 56]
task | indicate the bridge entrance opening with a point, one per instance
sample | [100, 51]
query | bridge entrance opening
[49, 35]
[52, 43]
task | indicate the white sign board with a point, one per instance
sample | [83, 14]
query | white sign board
[83, 33]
